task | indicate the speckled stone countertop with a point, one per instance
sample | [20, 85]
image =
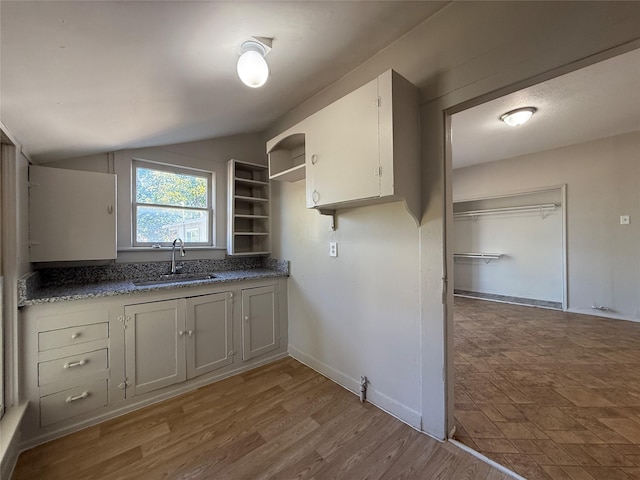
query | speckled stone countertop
[76, 283]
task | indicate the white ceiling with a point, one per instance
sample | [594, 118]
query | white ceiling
[83, 77]
[594, 102]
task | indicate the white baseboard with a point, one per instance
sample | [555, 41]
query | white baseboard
[602, 313]
[380, 400]
[10, 439]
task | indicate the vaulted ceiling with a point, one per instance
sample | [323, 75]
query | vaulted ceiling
[82, 77]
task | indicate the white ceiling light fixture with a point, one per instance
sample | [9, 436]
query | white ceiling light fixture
[252, 67]
[518, 116]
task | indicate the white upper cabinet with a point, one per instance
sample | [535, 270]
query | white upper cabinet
[72, 215]
[362, 149]
[342, 154]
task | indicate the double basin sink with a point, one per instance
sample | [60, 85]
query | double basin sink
[174, 278]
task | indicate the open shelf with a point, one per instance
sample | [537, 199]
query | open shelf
[249, 212]
[287, 158]
[293, 174]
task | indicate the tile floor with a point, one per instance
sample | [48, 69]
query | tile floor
[548, 394]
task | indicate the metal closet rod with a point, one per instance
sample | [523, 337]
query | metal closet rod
[523, 208]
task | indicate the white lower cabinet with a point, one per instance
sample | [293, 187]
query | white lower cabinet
[154, 346]
[85, 361]
[66, 361]
[209, 333]
[72, 402]
[170, 341]
[260, 325]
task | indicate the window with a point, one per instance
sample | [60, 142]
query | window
[170, 202]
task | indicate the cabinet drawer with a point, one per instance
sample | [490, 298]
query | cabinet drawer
[72, 336]
[73, 366]
[75, 401]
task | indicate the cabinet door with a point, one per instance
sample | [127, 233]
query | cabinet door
[342, 155]
[260, 321]
[71, 215]
[154, 346]
[209, 333]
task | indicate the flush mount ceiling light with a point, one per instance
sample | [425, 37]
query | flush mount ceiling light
[252, 67]
[518, 116]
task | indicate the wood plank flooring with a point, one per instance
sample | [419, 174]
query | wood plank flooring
[280, 421]
[548, 394]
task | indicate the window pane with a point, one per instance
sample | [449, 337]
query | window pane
[164, 225]
[167, 188]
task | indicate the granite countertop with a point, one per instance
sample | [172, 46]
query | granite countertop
[63, 284]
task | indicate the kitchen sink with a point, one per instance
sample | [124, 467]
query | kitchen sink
[174, 278]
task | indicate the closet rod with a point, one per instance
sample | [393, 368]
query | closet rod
[524, 208]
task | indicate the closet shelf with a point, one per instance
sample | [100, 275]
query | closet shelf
[542, 208]
[487, 257]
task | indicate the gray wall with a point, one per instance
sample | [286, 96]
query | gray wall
[209, 155]
[603, 178]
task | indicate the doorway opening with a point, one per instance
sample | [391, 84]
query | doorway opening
[550, 392]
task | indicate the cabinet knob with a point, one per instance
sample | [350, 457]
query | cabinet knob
[315, 196]
[190, 333]
[246, 318]
[181, 333]
[75, 335]
[314, 159]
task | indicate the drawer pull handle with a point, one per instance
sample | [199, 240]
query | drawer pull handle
[75, 335]
[75, 364]
[75, 398]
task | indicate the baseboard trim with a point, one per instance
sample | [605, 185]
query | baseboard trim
[493, 463]
[10, 439]
[604, 314]
[380, 400]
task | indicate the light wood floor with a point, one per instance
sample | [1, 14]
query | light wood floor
[281, 421]
[548, 394]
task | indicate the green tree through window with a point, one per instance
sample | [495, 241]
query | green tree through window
[169, 202]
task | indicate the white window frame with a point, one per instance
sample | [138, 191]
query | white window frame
[210, 176]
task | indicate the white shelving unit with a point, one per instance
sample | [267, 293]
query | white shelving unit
[249, 209]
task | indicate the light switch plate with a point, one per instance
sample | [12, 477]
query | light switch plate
[333, 249]
[624, 220]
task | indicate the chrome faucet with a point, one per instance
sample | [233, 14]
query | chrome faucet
[174, 269]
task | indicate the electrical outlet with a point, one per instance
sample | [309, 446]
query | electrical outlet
[624, 220]
[333, 249]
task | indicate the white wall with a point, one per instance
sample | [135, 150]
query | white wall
[356, 314]
[603, 178]
[530, 242]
